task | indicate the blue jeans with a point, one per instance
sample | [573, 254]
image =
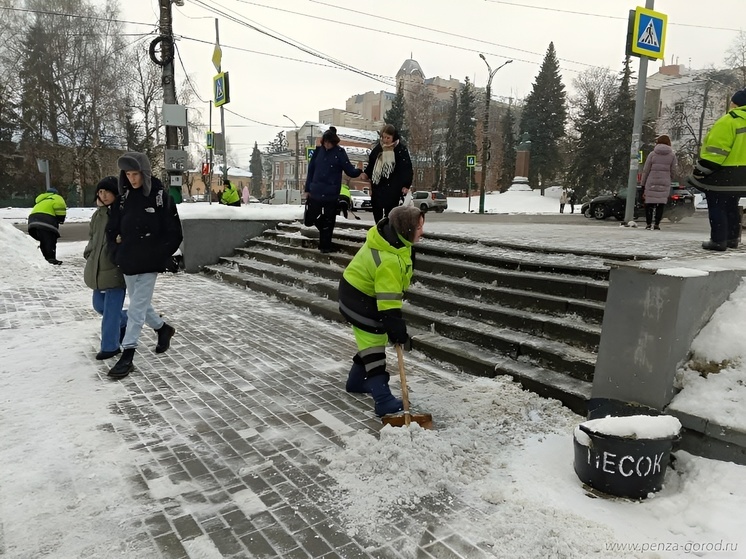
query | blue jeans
[725, 221]
[108, 303]
[140, 287]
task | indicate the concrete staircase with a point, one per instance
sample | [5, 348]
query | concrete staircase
[488, 308]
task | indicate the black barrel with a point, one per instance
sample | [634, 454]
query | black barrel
[622, 466]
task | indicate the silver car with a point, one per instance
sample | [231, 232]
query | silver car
[430, 200]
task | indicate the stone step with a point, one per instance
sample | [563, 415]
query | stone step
[571, 391]
[552, 353]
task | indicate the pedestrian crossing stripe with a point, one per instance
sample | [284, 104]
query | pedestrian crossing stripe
[648, 36]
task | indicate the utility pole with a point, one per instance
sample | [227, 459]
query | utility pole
[297, 154]
[222, 114]
[167, 61]
[485, 130]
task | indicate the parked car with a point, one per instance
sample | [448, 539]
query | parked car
[427, 201]
[360, 201]
[680, 205]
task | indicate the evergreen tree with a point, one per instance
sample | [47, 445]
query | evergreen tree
[461, 137]
[256, 169]
[507, 165]
[619, 131]
[452, 165]
[544, 118]
[279, 144]
[590, 153]
[396, 114]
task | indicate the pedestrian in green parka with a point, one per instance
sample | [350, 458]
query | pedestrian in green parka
[102, 275]
[371, 292]
[230, 196]
[44, 222]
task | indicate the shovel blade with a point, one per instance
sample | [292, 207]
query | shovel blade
[424, 420]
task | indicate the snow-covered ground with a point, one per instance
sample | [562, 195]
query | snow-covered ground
[505, 450]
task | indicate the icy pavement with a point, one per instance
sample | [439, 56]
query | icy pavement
[241, 442]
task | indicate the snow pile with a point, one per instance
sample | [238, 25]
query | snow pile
[21, 262]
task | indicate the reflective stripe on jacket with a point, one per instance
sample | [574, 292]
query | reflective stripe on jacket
[723, 154]
[377, 277]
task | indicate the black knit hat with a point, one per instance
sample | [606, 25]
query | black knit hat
[330, 136]
[739, 98]
[108, 183]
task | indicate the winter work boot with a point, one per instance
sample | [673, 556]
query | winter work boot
[356, 380]
[124, 366]
[101, 355]
[385, 402]
[165, 333]
[732, 243]
[712, 245]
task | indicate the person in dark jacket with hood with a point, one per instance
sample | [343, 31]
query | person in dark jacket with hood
[371, 292]
[323, 184]
[657, 174]
[102, 275]
[721, 174]
[390, 172]
[44, 223]
[143, 233]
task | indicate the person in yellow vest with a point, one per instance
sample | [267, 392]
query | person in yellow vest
[345, 200]
[371, 292]
[230, 196]
[721, 174]
[44, 222]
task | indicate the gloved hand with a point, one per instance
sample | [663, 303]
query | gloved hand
[396, 328]
[406, 346]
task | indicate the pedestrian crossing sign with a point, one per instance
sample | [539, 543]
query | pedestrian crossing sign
[221, 89]
[649, 33]
[309, 152]
[471, 161]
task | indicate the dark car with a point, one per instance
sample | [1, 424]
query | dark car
[680, 205]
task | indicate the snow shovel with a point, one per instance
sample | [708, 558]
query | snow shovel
[425, 420]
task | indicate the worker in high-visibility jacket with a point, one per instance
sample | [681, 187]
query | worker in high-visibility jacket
[230, 196]
[721, 174]
[44, 222]
[345, 200]
[370, 297]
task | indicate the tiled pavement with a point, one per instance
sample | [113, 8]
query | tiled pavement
[207, 420]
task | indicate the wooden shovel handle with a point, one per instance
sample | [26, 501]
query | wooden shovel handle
[404, 389]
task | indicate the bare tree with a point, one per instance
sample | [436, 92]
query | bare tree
[420, 130]
[736, 57]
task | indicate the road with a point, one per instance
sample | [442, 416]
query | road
[696, 224]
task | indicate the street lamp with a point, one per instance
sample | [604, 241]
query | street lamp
[297, 158]
[485, 128]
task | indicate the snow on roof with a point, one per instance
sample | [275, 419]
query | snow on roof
[350, 133]
[233, 171]
[353, 150]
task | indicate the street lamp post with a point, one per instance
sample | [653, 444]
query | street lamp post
[485, 128]
[297, 153]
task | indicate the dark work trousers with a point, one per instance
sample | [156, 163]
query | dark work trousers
[47, 242]
[324, 216]
[725, 218]
[654, 212]
[384, 199]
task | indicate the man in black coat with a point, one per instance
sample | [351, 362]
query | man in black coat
[143, 233]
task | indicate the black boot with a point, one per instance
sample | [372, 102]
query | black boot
[356, 380]
[124, 366]
[101, 355]
[385, 402]
[732, 243]
[165, 333]
[712, 245]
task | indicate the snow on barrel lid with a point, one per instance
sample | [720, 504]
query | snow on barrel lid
[636, 426]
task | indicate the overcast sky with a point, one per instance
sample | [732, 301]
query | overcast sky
[270, 78]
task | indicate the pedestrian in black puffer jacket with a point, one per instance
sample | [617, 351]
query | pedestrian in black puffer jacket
[143, 233]
[390, 172]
